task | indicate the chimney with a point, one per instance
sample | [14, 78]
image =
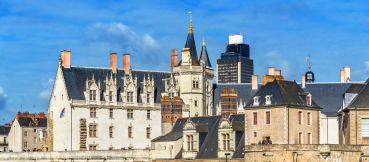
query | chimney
[271, 70]
[41, 115]
[113, 62]
[278, 72]
[126, 63]
[342, 75]
[65, 58]
[347, 71]
[254, 82]
[303, 81]
[174, 58]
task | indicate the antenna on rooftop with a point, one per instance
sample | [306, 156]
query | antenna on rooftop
[308, 60]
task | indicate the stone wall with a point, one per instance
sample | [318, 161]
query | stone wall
[306, 153]
[76, 156]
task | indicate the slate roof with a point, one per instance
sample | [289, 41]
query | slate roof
[362, 99]
[204, 56]
[328, 96]
[190, 43]
[28, 122]
[4, 130]
[209, 148]
[75, 80]
[282, 93]
[355, 88]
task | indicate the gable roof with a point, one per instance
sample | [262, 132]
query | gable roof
[329, 96]
[362, 99]
[29, 122]
[244, 92]
[75, 80]
[282, 92]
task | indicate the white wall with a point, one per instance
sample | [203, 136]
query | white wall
[15, 137]
[328, 130]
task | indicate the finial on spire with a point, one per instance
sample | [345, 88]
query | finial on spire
[308, 59]
[190, 28]
[203, 42]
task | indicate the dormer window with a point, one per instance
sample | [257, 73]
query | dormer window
[308, 100]
[268, 100]
[129, 97]
[110, 96]
[171, 95]
[256, 101]
[92, 95]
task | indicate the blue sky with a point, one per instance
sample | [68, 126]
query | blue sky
[280, 33]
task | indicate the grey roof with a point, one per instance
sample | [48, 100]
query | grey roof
[204, 57]
[282, 92]
[362, 99]
[75, 80]
[328, 96]
[29, 122]
[355, 88]
[209, 148]
[244, 91]
[4, 130]
[190, 43]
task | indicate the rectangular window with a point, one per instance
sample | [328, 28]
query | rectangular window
[308, 118]
[195, 103]
[110, 96]
[130, 132]
[255, 117]
[25, 144]
[5, 140]
[189, 142]
[148, 98]
[300, 117]
[148, 114]
[255, 134]
[309, 138]
[300, 138]
[92, 147]
[267, 117]
[226, 141]
[111, 113]
[148, 132]
[365, 127]
[93, 112]
[130, 113]
[25, 134]
[111, 131]
[129, 97]
[34, 140]
[195, 84]
[92, 95]
[92, 130]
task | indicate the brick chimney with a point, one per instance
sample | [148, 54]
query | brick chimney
[65, 58]
[173, 58]
[303, 81]
[126, 63]
[277, 72]
[113, 62]
[342, 76]
[254, 82]
[41, 115]
[271, 71]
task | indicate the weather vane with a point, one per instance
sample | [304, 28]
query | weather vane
[308, 60]
[190, 13]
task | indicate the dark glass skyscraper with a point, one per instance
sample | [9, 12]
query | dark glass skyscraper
[235, 65]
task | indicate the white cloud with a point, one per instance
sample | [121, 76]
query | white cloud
[47, 86]
[3, 99]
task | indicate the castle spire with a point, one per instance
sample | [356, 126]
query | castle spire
[190, 43]
[190, 28]
[204, 58]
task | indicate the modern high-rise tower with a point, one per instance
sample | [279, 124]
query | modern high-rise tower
[235, 65]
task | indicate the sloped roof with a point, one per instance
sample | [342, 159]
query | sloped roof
[190, 43]
[329, 96]
[4, 130]
[204, 57]
[282, 92]
[29, 122]
[362, 99]
[209, 148]
[75, 80]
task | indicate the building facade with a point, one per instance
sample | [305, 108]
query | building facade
[235, 65]
[104, 108]
[4, 132]
[283, 106]
[28, 132]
